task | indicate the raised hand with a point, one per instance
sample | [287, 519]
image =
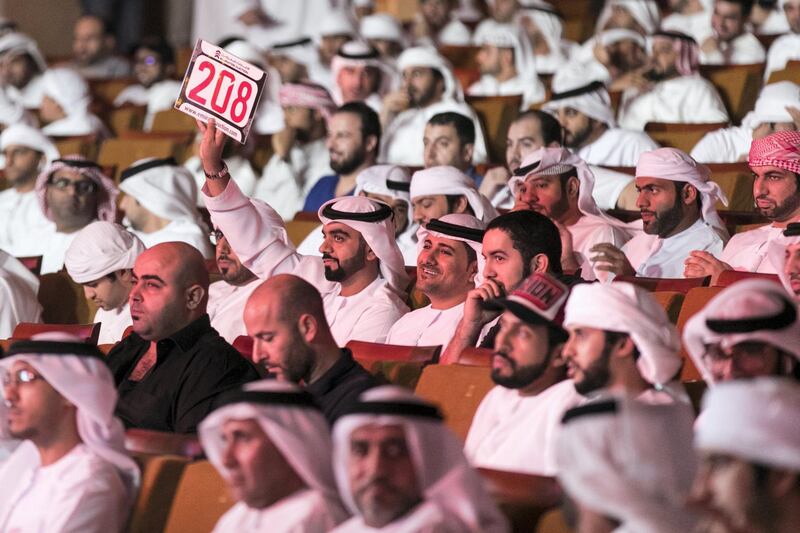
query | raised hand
[210, 149]
[611, 259]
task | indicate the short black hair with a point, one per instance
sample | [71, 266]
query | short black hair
[465, 128]
[613, 337]
[551, 129]
[531, 234]
[745, 5]
[158, 45]
[452, 200]
[370, 123]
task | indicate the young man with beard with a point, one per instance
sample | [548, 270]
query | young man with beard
[729, 42]
[516, 424]
[620, 343]
[775, 162]
[354, 135]
[447, 267]
[361, 274]
[677, 201]
[285, 316]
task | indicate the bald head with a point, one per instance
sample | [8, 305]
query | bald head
[296, 296]
[170, 289]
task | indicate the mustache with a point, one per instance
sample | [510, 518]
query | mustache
[329, 256]
[504, 356]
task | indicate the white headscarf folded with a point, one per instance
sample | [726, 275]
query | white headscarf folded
[167, 189]
[15, 43]
[444, 476]
[675, 165]
[549, 23]
[100, 249]
[68, 89]
[335, 22]
[29, 137]
[247, 52]
[25, 286]
[426, 56]
[449, 180]
[610, 37]
[502, 37]
[757, 420]
[772, 103]
[386, 180]
[107, 191]
[301, 50]
[630, 461]
[749, 310]
[467, 224]
[288, 417]
[626, 308]
[86, 382]
[379, 235]
[572, 90]
[645, 12]
[382, 26]
[556, 161]
[361, 54]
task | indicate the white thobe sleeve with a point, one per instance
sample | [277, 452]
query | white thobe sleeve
[257, 237]
[95, 506]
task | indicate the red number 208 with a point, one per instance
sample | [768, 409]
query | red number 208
[239, 104]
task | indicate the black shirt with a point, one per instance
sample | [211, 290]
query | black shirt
[339, 388]
[192, 367]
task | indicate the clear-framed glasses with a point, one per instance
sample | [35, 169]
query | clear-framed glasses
[747, 356]
[216, 236]
[23, 375]
[82, 187]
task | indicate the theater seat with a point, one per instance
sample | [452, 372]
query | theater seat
[404, 374]
[160, 477]
[729, 277]
[736, 181]
[298, 230]
[671, 303]
[791, 72]
[63, 301]
[373, 351]
[173, 120]
[87, 332]
[150, 442]
[458, 390]
[693, 302]
[32, 263]
[475, 357]
[523, 498]
[244, 345]
[461, 56]
[553, 521]
[126, 118]
[682, 285]
[496, 114]
[682, 136]
[201, 499]
[124, 151]
[85, 145]
[738, 86]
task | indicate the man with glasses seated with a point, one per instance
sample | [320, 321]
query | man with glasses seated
[72, 192]
[748, 330]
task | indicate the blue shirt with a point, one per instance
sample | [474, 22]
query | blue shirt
[321, 192]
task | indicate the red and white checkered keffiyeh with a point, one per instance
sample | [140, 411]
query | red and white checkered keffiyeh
[781, 149]
[307, 95]
[107, 191]
[686, 49]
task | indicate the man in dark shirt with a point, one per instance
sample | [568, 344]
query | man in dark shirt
[293, 342]
[174, 364]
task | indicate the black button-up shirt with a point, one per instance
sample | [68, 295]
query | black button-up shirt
[192, 367]
[339, 388]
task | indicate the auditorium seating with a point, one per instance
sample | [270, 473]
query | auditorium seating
[496, 114]
[729, 277]
[85, 145]
[244, 345]
[150, 442]
[86, 332]
[693, 302]
[126, 118]
[464, 57]
[682, 136]
[200, 500]
[373, 351]
[682, 285]
[523, 498]
[738, 86]
[63, 301]
[171, 120]
[553, 521]
[160, 477]
[475, 357]
[297, 230]
[458, 390]
[122, 152]
[791, 72]
[106, 90]
[32, 263]
[736, 181]
[695, 389]
[671, 302]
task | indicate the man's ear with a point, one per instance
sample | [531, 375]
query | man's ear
[194, 296]
[540, 263]
[573, 187]
[126, 276]
[624, 347]
[370, 143]
[370, 254]
[472, 270]
[689, 194]
[308, 327]
[461, 205]
[782, 482]
[467, 151]
[556, 358]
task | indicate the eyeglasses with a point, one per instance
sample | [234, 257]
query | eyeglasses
[745, 355]
[147, 60]
[82, 187]
[216, 236]
[20, 376]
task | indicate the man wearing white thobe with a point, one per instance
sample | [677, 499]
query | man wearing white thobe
[392, 435]
[159, 204]
[23, 66]
[730, 145]
[65, 106]
[786, 47]
[27, 151]
[428, 88]
[679, 93]
[18, 290]
[447, 269]
[677, 201]
[100, 258]
[692, 17]
[730, 43]
[72, 472]
[286, 438]
[516, 424]
[361, 275]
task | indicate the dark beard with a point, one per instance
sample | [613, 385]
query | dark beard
[596, 375]
[350, 164]
[667, 221]
[522, 376]
[782, 211]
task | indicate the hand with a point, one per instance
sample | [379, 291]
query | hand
[475, 315]
[396, 101]
[611, 259]
[495, 179]
[210, 149]
[629, 80]
[283, 141]
[700, 264]
[710, 45]
[568, 262]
